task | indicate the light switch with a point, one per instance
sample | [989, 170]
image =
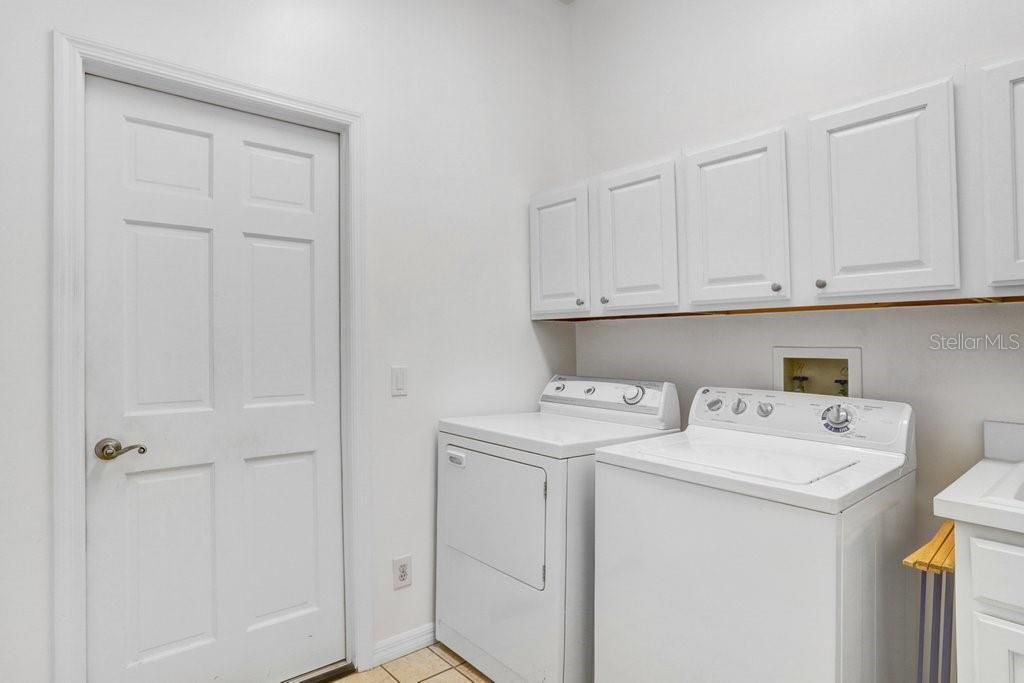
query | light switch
[399, 379]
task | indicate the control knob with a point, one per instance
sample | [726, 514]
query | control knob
[633, 395]
[837, 416]
[714, 404]
[739, 406]
[765, 409]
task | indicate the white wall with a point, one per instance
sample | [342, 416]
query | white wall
[656, 76]
[466, 116]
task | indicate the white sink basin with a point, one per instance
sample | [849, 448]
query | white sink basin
[990, 494]
[1010, 489]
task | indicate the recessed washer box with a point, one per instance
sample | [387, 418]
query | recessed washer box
[818, 370]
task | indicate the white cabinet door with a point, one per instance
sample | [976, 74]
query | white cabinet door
[1004, 165]
[737, 221]
[883, 195]
[998, 650]
[639, 263]
[560, 252]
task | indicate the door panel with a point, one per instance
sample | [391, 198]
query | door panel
[168, 342]
[560, 252]
[1004, 171]
[212, 337]
[639, 262]
[171, 554]
[738, 222]
[883, 188]
[493, 510]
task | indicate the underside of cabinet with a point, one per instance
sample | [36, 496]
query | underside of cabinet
[795, 309]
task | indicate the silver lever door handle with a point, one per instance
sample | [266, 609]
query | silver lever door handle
[108, 449]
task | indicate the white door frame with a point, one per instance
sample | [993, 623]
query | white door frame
[73, 58]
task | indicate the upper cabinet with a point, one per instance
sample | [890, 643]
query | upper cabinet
[1003, 149]
[883, 194]
[637, 238]
[857, 206]
[560, 252]
[737, 221]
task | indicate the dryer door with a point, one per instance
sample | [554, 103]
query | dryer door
[493, 510]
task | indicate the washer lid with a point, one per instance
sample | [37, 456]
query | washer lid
[556, 436]
[818, 476]
[784, 467]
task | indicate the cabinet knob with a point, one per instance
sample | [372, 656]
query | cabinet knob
[776, 287]
[604, 299]
[820, 284]
[579, 302]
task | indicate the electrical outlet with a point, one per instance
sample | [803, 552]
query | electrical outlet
[401, 571]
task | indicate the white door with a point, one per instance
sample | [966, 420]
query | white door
[212, 337]
[883, 195]
[737, 221]
[1004, 172]
[560, 252]
[998, 650]
[639, 262]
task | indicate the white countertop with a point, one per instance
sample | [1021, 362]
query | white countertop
[990, 494]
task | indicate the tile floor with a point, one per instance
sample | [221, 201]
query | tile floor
[436, 664]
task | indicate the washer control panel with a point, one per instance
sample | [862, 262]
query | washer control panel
[884, 425]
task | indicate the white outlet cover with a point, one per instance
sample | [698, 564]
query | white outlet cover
[401, 571]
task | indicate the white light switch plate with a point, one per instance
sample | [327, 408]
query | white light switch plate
[399, 380]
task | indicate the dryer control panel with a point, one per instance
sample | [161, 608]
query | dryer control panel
[640, 402]
[881, 425]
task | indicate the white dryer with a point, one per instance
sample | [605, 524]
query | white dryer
[763, 543]
[515, 524]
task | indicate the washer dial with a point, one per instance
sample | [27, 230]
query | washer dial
[837, 418]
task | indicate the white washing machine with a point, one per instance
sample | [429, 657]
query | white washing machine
[763, 543]
[515, 524]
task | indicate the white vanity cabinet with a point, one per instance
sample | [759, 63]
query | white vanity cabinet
[883, 195]
[987, 504]
[989, 604]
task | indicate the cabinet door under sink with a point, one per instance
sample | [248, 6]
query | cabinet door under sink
[493, 509]
[998, 650]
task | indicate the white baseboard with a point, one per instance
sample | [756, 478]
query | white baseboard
[402, 644]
